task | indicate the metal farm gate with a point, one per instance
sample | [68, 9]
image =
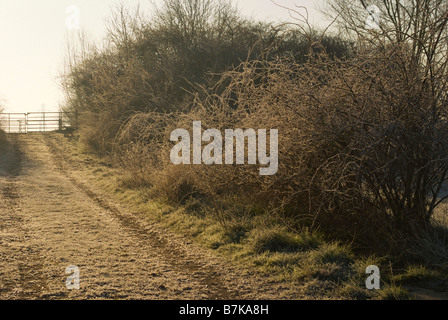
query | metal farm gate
[33, 122]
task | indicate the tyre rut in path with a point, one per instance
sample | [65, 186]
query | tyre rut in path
[51, 220]
[171, 253]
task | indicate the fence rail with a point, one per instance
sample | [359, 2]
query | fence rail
[34, 122]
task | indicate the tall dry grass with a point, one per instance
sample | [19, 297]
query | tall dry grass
[361, 152]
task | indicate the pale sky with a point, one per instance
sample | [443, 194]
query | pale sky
[34, 33]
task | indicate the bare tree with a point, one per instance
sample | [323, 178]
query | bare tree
[420, 25]
[408, 163]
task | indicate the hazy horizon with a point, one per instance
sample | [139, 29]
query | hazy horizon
[34, 37]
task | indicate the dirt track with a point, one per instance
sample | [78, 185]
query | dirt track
[51, 220]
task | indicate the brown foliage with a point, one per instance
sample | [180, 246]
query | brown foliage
[360, 146]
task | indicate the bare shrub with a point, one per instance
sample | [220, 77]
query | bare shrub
[152, 64]
[361, 151]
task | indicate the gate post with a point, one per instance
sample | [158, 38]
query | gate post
[60, 121]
